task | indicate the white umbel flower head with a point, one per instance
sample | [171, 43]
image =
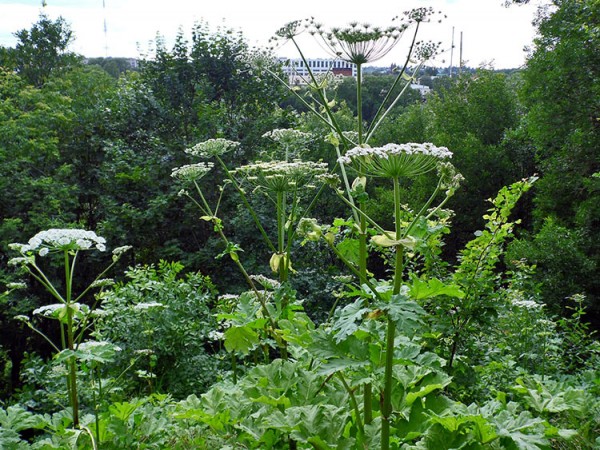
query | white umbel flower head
[56, 239]
[212, 147]
[192, 172]
[396, 160]
[281, 176]
[287, 136]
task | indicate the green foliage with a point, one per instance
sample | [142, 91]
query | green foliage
[562, 267]
[162, 322]
[561, 90]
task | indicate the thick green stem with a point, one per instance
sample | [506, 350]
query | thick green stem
[387, 387]
[362, 268]
[281, 247]
[362, 237]
[359, 113]
[71, 364]
[391, 329]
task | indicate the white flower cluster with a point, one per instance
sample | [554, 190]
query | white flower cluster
[118, 251]
[144, 306]
[103, 282]
[388, 150]
[265, 282]
[90, 346]
[60, 239]
[192, 172]
[287, 135]
[527, 304]
[55, 309]
[359, 43]
[282, 176]
[396, 160]
[215, 335]
[212, 147]
[48, 310]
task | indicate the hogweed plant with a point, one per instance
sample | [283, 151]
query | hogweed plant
[283, 182]
[395, 162]
[73, 315]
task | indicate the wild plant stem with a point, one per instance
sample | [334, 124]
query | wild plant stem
[391, 328]
[72, 369]
[246, 204]
[359, 114]
[377, 117]
[359, 424]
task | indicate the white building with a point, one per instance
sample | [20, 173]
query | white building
[297, 70]
[423, 90]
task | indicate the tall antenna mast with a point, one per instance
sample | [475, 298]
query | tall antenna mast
[105, 30]
[460, 58]
[452, 51]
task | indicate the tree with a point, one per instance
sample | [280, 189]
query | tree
[562, 91]
[41, 51]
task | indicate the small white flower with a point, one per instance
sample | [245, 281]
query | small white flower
[83, 243]
[43, 251]
[144, 351]
[22, 248]
[16, 285]
[89, 346]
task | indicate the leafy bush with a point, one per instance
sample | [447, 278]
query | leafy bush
[162, 321]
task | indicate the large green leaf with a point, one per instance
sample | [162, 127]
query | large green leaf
[432, 287]
[241, 339]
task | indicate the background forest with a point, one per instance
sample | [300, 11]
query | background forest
[493, 310]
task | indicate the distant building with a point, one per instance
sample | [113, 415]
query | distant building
[297, 70]
[423, 90]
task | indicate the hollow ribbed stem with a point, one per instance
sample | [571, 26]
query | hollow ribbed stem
[391, 329]
[71, 364]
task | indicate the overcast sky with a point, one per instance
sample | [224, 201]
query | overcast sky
[491, 33]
